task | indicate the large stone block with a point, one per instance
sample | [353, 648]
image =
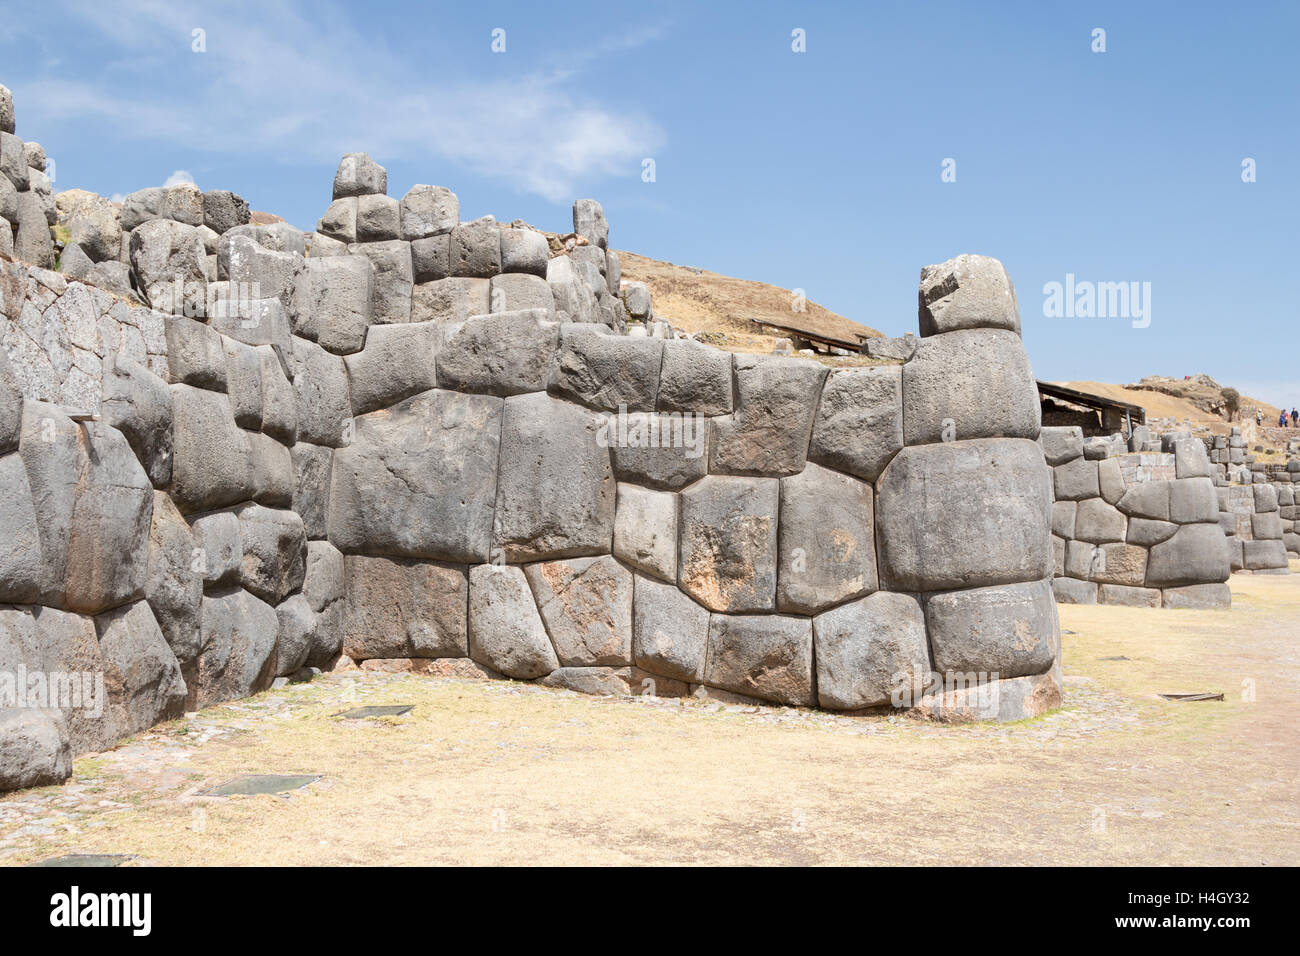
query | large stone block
[606, 371]
[1098, 522]
[430, 261]
[1006, 631]
[11, 404]
[224, 210]
[859, 424]
[296, 635]
[340, 220]
[378, 218]
[964, 514]
[589, 222]
[555, 491]
[695, 378]
[506, 632]
[974, 383]
[1198, 596]
[398, 361]
[1126, 596]
[394, 279]
[1196, 554]
[218, 550]
[243, 383]
[1061, 443]
[21, 566]
[139, 405]
[1258, 555]
[141, 674]
[450, 300]
[871, 652]
[506, 353]
[826, 541]
[320, 382]
[1076, 480]
[645, 530]
[237, 637]
[664, 449]
[967, 292]
[195, 354]
[1074, 591]
[525, 251]
[419, 478]
[475, 249]
[333, 302]
[312, 466]
[670, 632]
[574, 300]
[403, 608]
[776, 400]
[1110, 563]
[769, 656]
[727, 546]
[268, 272]
[279, 401]
[174, 585]
[429, 211]
[34, 749]
[586, 605]
[275, 552]
[359, 175]
[512, 292]
[210, 454]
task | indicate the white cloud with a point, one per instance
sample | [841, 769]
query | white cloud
[178, 177]
[301, 84]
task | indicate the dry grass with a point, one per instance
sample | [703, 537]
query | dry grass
[509, 773]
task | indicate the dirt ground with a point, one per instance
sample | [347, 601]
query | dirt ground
[501, 772]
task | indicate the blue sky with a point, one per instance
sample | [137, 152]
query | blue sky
[818, 170]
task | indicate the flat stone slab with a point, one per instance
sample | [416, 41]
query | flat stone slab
[259, 783]
[87, 860]
[380, 710]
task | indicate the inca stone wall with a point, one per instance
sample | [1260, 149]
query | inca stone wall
[410, 442]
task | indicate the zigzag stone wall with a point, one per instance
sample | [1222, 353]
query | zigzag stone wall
[368, 452]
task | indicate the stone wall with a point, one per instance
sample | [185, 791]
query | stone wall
[1137, 528]
[406, 441]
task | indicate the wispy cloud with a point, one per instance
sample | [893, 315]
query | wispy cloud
[299, 83]
[178, 177]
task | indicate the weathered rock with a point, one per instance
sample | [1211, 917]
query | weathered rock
[296, 635]
[218, 550]
[95, 226]
[378, 218]
[240, 316]
[555, 491]
[12, 163]
[320, 381]
[34, 750]
[590, 223]
[223, 210]
[606, 371]
[1127, 596]
[1198, 596]
[394, 279]
[1099, 522]
[333, 302]
[340, 220]
[511, 292]
[645, 530]
[670, 632]
[859, 423]
[1074, 591]
[475, 249]
[599, 681]
[974, 383]
[1265, 498]
[506, 353]
[418, 479]
[695, 378]
[776, 400]
[243, 383]
[21, 567]
[141, 674]
[269, 272]
[506, 631]
[11, 406]
[450, 300]
[586, 605]
[1196, 554]
[430, 260]
[826, 541]
[664, 450]
[1061, 443]
[1007, 630]
[964, 514]
[403, 608]
[1192, 500]
[141, 206]
[574, 300]
[524, 250]
[728, 543]
[1256, 555]
[871, 652]
[174, 586]
[237, 637]
[139, 405]
[1190, 459]
[6, 110]
[1146, 532]
[275, 552]
[1110, 563]
[1063, 517]
[1110, 481]
[312, 466]
[1076, 480]
[210, 454]
[398, 361]
[183, 202]
[768, 656]
[967, 292]
[32, 242]
[359, 175]
[195, 354]
[170, 262]
[279, 402]
[636, 298]
[429, 211]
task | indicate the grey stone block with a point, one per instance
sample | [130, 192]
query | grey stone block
[430, 258]
[505, 629]
[524, 250]
[312, 466]
[141, 669]
[398, 361]
[378, 218]
[174, 586]
[555, 491]
[694, 378]
[606, 371]
[586, 605]
[243, 383]
[21, 570]
[1146, 532]
[670, 631]
[727, 543]
[333, 302]
[1099, 522]
[1061, 443]
[1198, 596]
[645, 530]
[279, 402]
[320, 383]
[574, 300]
[1196, 554]
[776, 401]
[34, 749]
[871, 652]
[340, 220]
[973, 383]
[223, 210]
[589, 222]
[511, 292]
[268, 272]
[429, 211]
[967, 292]
[296, 635]
[859, 423]
[237, 636]
[359, 175]
[418, 479]
[825, 541]
[1007, 630]
[1260, 555]
[1126, 596]
[218, 550]
[1063, 517]
[1074, 591]
[450, 300]
[139, 405]
[768, 656]
[394, 279]
[210, 454]
[506, 353]
[274, 558]
[964, 514]
[663, 450]
[1076, 480]
[394, 608]
[1192, 500]
[475, 249]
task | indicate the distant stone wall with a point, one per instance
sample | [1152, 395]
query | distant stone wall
[436, 452]
[1141, 528]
